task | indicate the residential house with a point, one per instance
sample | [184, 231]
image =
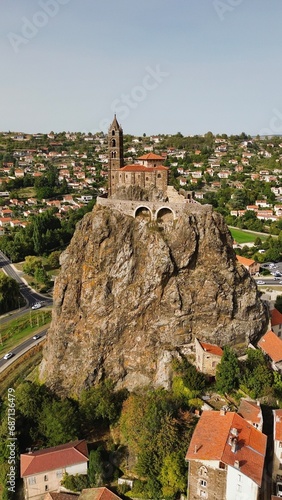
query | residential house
[276, 322]
[43, 470]
[271, 345]
[98, 494]
[207, 357]
[251, 412]
[277, 446]
[226, 458]
[251, 265]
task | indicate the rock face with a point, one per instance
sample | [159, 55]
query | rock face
[132, 294]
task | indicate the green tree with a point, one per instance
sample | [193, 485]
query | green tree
[31, 264]
[59, 422]
[10, 297]
[173, 475]
[227, 372]
[95, 468]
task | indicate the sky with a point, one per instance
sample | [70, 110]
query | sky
[163, 66]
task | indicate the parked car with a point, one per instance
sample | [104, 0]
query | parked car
[37, 305]
[260, 282]
[9, 355]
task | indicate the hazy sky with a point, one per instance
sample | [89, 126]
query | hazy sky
[164, 66]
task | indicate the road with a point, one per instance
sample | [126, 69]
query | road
[21, 349]
[30, 296]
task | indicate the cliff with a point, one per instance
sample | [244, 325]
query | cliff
[131, 294]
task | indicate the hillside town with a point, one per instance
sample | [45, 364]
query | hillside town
[227, 405]
[248, 169]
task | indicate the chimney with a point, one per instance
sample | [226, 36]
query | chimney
[237, 464]
[195, 448]
[222, 412]
[234, 445]
[234, 432]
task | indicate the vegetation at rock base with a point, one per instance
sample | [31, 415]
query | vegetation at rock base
[153, 425]
[228, 372]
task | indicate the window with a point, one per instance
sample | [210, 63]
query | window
[32, 480]
[46, 478]
[239, 478]
[280, 444]
[203, 483]
[280, 466]
[59, 473]
[113, 143]
[221, 465]
[239, 487]
[203, 494]
[113, 132]
[46, 487]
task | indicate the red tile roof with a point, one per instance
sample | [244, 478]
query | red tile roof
[271, 345]
[244, 261]
[141, 168]
[277, 430]
[250, 411]
[57, 457]
[276, 317]
[150, 156]
[210, 441]
[98, 494]
[213, 349]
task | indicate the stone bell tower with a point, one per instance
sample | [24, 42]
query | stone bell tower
[115, 147]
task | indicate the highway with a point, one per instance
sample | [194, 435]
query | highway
[30, 297]
[21, 349]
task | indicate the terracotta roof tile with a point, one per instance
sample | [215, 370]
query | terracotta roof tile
[150, 156]
[276, 317]
[57, 457]
[213, 349]
[210, 441]
[271, 345]
[250, 411]
[244, 261]
[98, 494]
[277, 430]
[141, 168]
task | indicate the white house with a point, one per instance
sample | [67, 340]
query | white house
[226, 458]
[43, 470]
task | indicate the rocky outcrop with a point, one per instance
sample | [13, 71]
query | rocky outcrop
[132, 294]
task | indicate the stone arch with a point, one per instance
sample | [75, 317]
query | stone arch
[165, 214]
[143, 212]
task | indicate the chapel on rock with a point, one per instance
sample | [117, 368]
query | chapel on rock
[148, 173]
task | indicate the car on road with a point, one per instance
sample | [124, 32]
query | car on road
[37, 305]
[260, 282]
[9, 355]
[36, 337]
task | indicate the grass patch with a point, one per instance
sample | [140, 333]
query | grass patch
[17, 330]
[242, 236]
